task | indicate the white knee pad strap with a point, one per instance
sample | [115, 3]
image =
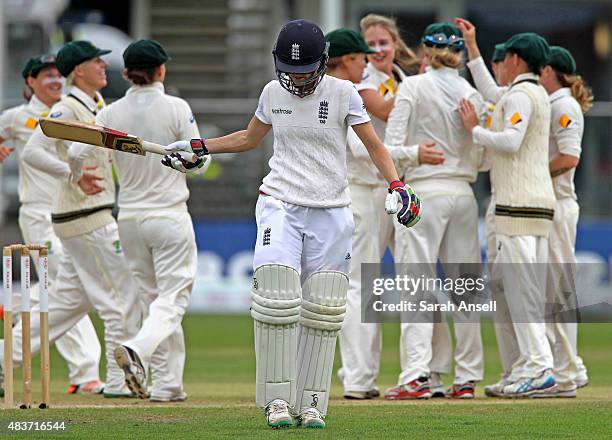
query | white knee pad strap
[324, 303]
[275, 295]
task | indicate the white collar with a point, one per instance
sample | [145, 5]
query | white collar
[37, 105]
[444, 70]
[85, 98]
[156, 87]
[563, 91]
[524, 76]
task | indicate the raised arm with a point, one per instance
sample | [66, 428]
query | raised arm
[485, 83]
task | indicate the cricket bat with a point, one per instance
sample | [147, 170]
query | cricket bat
[97, 135]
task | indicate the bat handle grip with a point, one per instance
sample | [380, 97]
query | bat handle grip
[152, 147]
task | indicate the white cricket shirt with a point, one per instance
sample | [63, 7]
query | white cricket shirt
[308, 166]
[566, 129]
[147, 112]
[18, 124]
[427, 110]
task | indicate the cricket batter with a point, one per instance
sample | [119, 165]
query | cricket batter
[93, 272]
[154, 225]
[525, 202]
[43, 88]
[426, 109]
[570, 97]
[304, 222]
[360, 343]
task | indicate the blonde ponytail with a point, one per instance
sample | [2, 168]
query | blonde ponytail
[404, 56]
[580, 90]
[443, 57]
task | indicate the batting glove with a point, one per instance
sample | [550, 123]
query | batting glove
[181, 156]
[197, 146]
[403, 201]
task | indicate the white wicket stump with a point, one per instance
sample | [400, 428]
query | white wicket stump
[7, 265]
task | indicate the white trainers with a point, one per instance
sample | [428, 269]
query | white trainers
[497, 389]
[311, 418]
[178, 397]
[436, 386]
[135, 374]
[362, 395]
[277, 414]
[528, 386]
[581, 383]
[567, 390]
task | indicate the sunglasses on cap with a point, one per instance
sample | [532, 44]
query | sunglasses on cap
[46, 59]
[441, 40]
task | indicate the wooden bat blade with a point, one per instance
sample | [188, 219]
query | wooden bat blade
[72, 131]
[92, 134]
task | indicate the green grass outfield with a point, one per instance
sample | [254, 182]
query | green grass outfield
[219, 378]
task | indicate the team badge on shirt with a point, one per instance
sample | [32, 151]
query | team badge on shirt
[515, 119]
[564, 121]
[55, 115]
[31, 123]
[323, 111]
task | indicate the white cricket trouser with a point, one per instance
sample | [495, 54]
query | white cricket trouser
[524, 283]
[92, 273]
[448, 231]
[507, 344]
[361, 343]
[161, 251]
[309, 240]
[80, 346]
[568, 366]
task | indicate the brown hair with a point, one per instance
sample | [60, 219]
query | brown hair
[443, 57]
[580, 90]
[404, 56]
[140, 77]
[333, 63]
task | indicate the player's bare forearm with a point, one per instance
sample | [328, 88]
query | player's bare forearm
[378, 153]
[562, 163]
[243, 140]
[376, 104]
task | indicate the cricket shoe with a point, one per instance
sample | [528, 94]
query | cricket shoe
[135, 375]
[497, 389]
[566, 390]
[311, 418]
[177, 397]
[417, 389]
[528, 386]
[436, 385]
[581, 383]
[91, 387]
[277, 414]
[362, 395]
[461, 391]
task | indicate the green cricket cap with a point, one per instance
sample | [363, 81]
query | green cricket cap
[37, 63]
[561, 60]
[144, 54]
[75, 53]
[531, 47]
[499, 53]
[448, 29]
[344, 41]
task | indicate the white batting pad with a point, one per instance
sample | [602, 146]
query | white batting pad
[275, 307]
[321, 317]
